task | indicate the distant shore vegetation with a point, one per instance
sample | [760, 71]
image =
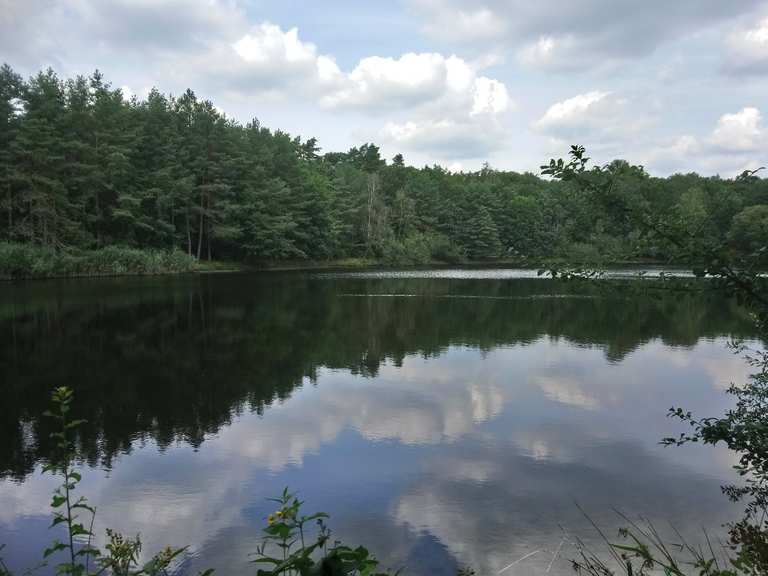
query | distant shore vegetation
[87, 174]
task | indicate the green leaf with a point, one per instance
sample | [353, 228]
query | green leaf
[79, 530]
[55, 547]
[266, 560]
[84, 506]
[88, 551]
[58, 519]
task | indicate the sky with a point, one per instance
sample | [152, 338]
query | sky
[674, 85]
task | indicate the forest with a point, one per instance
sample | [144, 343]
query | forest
[87, 173]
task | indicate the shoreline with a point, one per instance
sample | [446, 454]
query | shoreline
[21, 262]
[344, 265]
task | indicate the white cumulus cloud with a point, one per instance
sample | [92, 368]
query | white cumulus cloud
[576, 112]
[381, 84]
[447, 110]
[596, 117]
[736, 143]
[739, 132]
[269, 43]
[747, 50]
[489, 97]
[445, 138]
[268, 61]
[438, 105]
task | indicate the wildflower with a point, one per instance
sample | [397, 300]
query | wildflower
[279, 513]
[270, 519]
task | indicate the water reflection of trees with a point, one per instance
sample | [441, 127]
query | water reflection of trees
[175, 359]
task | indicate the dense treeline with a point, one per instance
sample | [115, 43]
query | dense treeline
[82, 167]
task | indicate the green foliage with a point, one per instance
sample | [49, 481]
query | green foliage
[66, 509]
[289, 549]
[3, 567]
[443, 250]
[418, 249]
[83, 168]
[481, 236]
[645, 552]
[28, 261]
[749, 230]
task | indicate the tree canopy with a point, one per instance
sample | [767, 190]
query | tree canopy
[84, 167]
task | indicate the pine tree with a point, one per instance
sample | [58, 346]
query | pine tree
[38, 152]
[481, 236]
[148, 209]
[11, 90]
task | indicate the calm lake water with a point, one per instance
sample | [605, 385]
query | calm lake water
[442, 418]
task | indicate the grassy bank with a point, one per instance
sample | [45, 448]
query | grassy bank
[23, 261]
[20, 261]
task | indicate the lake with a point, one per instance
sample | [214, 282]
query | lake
[442, 418]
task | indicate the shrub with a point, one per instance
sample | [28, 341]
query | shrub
[412, 250]
[420, 249]
[27, 261]
[287, 535]
[443, 250]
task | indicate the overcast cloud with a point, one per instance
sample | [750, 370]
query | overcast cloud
[677, 86]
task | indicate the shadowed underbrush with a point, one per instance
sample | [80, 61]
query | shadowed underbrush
[20, 261]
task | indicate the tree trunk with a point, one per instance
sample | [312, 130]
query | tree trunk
[54, 226]
[10, 211]
[31, 219]
[208, 230]
[372, 185]
[98, 219]
[202, 230]
[189, 236]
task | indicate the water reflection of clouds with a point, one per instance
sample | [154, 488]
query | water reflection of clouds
[567, 390]
[523, 503]
[418, 403]
[724, 369]
[507, 440]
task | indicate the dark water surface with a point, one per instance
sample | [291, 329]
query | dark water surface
[442, 419]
